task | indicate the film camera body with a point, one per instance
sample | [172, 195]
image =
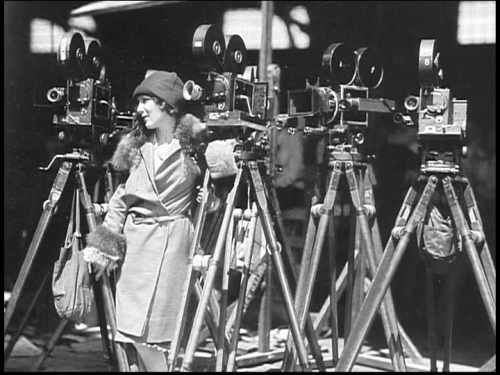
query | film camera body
[441, 119]
[339, 104]
[84, 109]
[228, 99]
[234, 107]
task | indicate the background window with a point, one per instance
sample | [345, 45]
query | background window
[477, 22]
[247, 23]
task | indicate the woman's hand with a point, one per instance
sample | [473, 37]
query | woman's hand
[212, 200]
[100, 261]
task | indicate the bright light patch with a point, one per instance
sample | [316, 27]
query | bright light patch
[44, 36]
[247, 23]
[477, 22]
[299, 14]
[300, 38]
[86, 23]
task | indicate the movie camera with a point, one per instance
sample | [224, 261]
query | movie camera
[441, 119]
[235, 108]
[339, 103]
[228, 99]
[85, 112]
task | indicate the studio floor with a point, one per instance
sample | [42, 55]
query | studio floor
[81, 350]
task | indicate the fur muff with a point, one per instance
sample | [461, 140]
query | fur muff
[108, 242]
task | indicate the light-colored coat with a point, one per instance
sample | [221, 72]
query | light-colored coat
[150, 282]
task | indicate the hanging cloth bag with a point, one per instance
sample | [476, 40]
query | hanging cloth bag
[71, 282]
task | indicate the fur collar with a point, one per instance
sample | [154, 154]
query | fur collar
[127, 154]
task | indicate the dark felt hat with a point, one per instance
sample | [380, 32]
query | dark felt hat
[165, 85]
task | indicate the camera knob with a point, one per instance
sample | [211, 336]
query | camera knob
[465, 151]
[359, 138]
[103, 139]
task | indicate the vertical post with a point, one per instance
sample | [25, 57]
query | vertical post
[265, 58]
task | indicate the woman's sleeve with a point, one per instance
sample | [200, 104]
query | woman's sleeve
[115, 218]
[106, 245]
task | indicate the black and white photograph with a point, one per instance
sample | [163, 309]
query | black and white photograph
[249, 186]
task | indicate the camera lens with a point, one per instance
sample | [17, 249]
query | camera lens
[411, 103]
[55, 95]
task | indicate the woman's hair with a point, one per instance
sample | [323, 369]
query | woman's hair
[138, 129]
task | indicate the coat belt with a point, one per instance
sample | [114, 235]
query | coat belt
[143, 219]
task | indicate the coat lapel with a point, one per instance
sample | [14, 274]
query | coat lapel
[173, 147]
[147, 155]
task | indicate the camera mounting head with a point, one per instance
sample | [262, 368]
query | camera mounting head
[441, 118]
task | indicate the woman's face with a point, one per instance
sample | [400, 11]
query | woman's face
[151, 112]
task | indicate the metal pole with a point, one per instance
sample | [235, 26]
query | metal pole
[266, 49]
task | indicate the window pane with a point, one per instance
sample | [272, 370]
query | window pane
[44, 36]
[477, 22]
[247, 23]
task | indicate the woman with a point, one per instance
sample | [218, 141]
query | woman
[146, 233]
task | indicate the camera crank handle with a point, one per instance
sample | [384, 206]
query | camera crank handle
[50, 164]
[77, 157]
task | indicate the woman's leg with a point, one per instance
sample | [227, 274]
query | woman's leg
[132, 357]
[151, 359]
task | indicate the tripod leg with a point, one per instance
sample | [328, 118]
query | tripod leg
[468, 243]
[385, 272]
[47, 349]
[387, 311]
[98, 296]
[200, 217]
[107, 295]
[353, 246]
[48, 211]
[212, 315]
[406, 345]
[359, 274]
[333, 291]
[340, 286]
[290, 262]
[477, 225]
[308, 273]
[108, 184]
[221, 353]
[264, 327]
[103, 327]
[259, 190]
[15, 336]
[231, 362]
[450, 307]
[254, 281]
[209, 279]
[392, 330]
[359, 245]
[289, 359]
[431, 317]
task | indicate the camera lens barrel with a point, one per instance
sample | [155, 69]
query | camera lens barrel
[55, 94]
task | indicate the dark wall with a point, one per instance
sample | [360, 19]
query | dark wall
[160, 38]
